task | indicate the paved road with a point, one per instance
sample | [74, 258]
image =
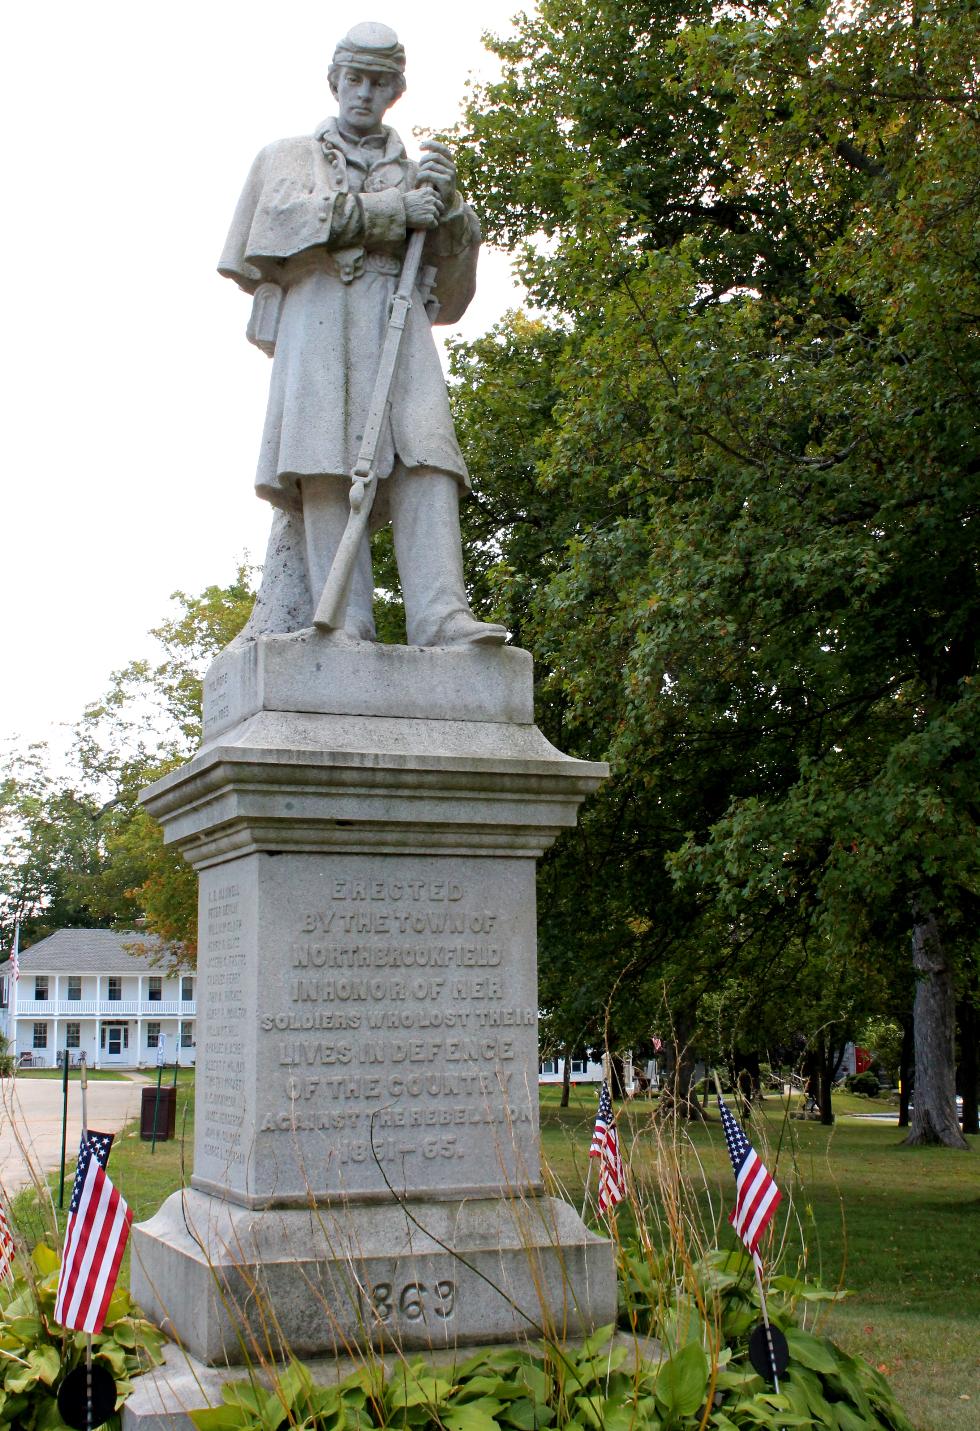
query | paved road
[30, 1122]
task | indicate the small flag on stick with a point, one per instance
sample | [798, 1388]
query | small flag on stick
[756, 1194]
[756, 1200]
[605, 1146]
[95, 1239]
[7, 1248]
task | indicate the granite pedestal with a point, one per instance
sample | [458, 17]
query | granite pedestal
[366, 1160]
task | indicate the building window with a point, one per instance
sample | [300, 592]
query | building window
[41, 989]
[115, 990]
[156, 990]
[74, 986]
[73, 1035]
[548, 1065]
[40, 1035]
[186, 1033]
[187, 988]
[3, 992]
[579, 1066]
[153, 1035]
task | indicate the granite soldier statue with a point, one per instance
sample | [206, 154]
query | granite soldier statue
[319, 238]
[365, 820]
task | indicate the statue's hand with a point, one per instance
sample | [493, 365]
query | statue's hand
[423, 208]
[437, 168]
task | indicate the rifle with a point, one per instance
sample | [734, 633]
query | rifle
[332, 606]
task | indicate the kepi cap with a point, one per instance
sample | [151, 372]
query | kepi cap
[371, 46]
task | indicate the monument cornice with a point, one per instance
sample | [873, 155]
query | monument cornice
[239, 796]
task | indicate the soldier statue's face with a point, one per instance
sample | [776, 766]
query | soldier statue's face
[364, 96]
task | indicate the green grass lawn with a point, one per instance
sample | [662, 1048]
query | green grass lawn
[899, 1228]
[144, 1174]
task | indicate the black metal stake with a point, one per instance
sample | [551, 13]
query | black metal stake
[64, 1129]
[88, 1382]
[156, 1108]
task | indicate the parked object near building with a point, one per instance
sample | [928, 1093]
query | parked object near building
[82, 991]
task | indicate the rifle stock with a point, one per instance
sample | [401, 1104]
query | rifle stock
[332, 606]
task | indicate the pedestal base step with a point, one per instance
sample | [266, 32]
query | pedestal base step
[234, 1285]
[310, 671]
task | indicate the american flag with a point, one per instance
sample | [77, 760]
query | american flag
[95, 1239]
[15, 953]
[605, 1146]
[756, 1194]
[7, 1248]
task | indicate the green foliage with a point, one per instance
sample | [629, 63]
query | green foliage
[36, 1354]
[51, 850]
[866, 1083]
[882, 1036]
[77, 849]
[755, 431]
[714, 1307]
[704, 1379]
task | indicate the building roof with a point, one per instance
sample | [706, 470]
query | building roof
[95, 951]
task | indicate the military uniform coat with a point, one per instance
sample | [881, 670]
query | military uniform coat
[323, 217]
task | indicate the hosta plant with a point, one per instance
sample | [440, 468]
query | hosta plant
[703, 1380]
[704, 1316]
[36, 1354]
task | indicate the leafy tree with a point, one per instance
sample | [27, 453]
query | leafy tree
[51, 849]
[78, 849]
[762, 600]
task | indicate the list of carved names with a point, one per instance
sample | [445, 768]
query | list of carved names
[222, 1038]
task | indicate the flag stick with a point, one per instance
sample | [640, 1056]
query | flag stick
[64, 1128]
[588, 1183]
[757, 1264]
[757, 1268]
[83, 1078]
[588, 1180]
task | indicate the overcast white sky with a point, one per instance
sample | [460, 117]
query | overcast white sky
[132, 402]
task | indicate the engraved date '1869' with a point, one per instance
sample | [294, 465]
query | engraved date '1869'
[414, 1301]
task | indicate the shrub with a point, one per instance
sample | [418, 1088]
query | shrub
[717, 1301]
[864, 1083]
[36, 1354]
[601, 1387]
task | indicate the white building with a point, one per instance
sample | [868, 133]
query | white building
[81, 990]
[583, 1070]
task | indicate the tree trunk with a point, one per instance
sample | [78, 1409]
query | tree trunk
[747, 1075]
[906, 1068]
[617, 1081]
[968, 1071]
[934, 1115]
[566, 1078]
[819, 1064]
[827, 1066]
[678, 1095]
[685, 1093]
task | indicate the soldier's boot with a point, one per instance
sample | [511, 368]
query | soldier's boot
[424, 508]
